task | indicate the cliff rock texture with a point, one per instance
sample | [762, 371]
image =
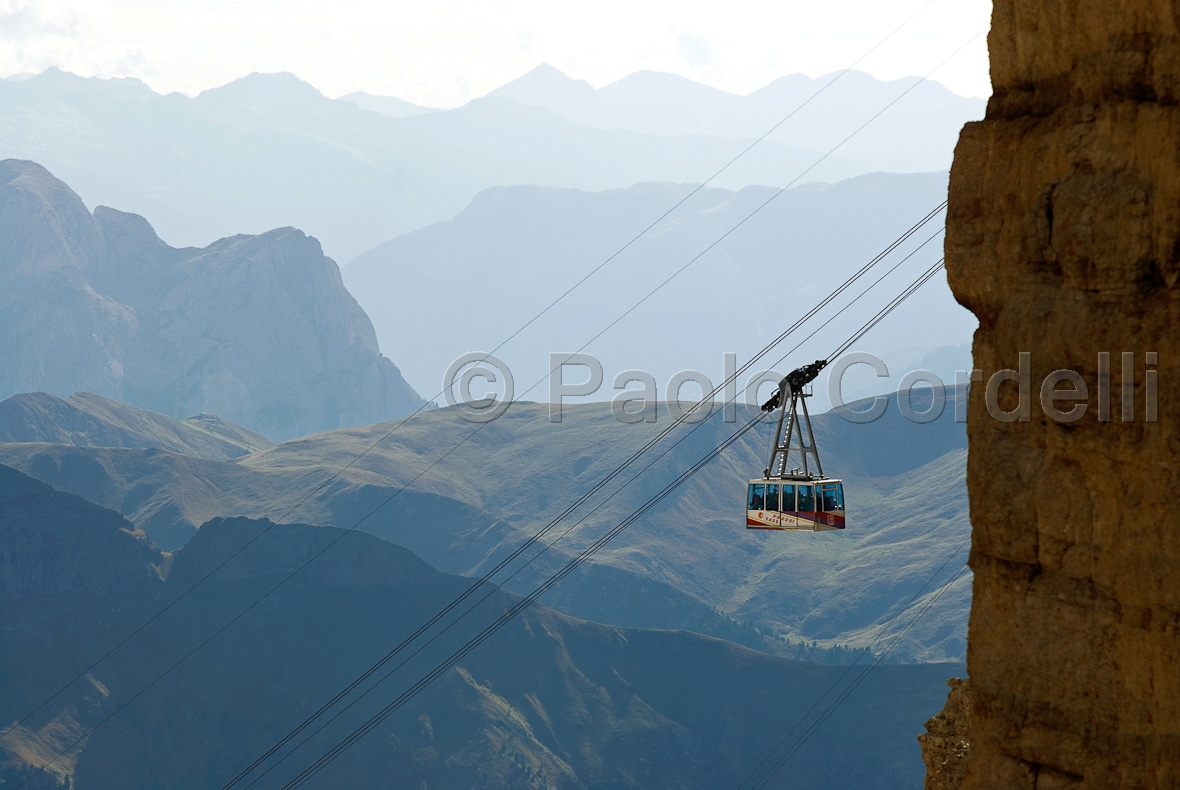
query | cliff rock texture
[1063, 237]
[944, 744]
[256, 329]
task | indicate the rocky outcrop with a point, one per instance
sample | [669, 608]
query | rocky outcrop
[944, 744]
[1063, 237]
[257, 329]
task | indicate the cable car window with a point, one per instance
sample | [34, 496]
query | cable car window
[772, 497]
[806, 499]
[755, 499]
[831, 500]
[788, 498]
[840, 494]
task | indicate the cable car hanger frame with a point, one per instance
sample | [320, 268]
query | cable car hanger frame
[795, 497]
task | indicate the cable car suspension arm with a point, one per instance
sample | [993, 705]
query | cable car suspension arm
[795, 381]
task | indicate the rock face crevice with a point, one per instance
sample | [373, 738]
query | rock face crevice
[1063, 237]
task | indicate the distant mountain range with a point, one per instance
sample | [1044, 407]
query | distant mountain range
[919, 137]
[269, 150]
[143, 387]
[257, 329]
[549, 701]
[475, 279]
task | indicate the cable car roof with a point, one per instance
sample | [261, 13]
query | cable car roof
[797, 479]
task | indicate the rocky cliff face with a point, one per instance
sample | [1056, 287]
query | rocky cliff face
[257, 329]
[1063, 237]
[944, 744]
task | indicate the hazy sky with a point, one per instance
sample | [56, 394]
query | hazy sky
[444, 52]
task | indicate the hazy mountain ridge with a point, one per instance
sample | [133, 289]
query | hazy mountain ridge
[258, 329]
[269, 151]
[548, 700]
[668, 104]
[389, 106]
[514, 249]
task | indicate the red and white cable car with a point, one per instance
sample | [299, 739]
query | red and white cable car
[796, 498]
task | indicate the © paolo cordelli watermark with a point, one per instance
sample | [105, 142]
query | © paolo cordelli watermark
[634, 404]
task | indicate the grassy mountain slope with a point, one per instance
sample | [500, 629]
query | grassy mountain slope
[171, 495]
[688, 564]
[549, 701]
[90, 420]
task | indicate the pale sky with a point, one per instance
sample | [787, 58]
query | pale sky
[444, 53]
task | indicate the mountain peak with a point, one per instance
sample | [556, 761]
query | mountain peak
[248, 321]
[646, 85]
[261, 92]
[543, 85]
[548, 71]
[29, 172]
[57, 229]
[58, 80]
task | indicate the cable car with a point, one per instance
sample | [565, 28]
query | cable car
[795, 498]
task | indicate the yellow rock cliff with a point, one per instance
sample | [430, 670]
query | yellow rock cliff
[1063, 237]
